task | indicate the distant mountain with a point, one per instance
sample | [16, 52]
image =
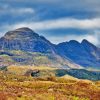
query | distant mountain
[85, 53]
[25, 39]
[24, 46]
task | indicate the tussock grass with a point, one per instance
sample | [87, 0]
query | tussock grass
[14, 85]
[19, 87]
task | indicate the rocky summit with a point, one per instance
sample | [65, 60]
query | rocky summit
[85, 53]
[21, 33]
[25, 39]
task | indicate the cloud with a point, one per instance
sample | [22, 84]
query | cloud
[91, 37]
[59, 24]
[86, 24]
[22, 10]
[67, 4]
[79, 14]
[7, 9]
[50, 9]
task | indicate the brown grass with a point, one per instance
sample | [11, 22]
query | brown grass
[19, 87]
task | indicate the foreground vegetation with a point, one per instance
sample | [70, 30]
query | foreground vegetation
[20, 87]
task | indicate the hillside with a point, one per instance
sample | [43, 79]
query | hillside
[15, 87]
[85, 53]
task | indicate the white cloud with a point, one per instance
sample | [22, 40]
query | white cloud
[60, 23]
[13, 11]
[91, 24]
[22, 10]
[75, 5]
[91, 37]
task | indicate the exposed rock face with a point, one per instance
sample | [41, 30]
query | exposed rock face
[91, 49]
[25, 39]
[67, 54]
[84, 53]
[32, 73]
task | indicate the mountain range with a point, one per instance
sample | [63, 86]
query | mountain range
[25, 47]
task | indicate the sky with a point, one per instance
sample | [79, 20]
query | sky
[57, 20]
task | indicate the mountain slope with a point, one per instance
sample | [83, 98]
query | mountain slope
[24, 46]
[27, 40]
[84, 53]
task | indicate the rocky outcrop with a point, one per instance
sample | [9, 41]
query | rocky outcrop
[32, 73]
[27, 40]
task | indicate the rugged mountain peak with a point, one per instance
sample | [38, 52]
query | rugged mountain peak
[74, 42]
[71, 42]
[24, 29]
[21, 33]
[84, 41]
[88, 45]
[85, 53]
[27, 40]
[95, 51]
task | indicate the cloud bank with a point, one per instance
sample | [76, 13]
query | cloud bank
[84, 24]
[59, 23]
[15, 11]
[91, 37]
[51, 15]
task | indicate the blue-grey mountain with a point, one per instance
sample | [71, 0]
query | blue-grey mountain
[24, 46]
[85, 53]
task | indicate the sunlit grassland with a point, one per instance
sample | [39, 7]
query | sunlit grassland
[20, 87]
[36, 89]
